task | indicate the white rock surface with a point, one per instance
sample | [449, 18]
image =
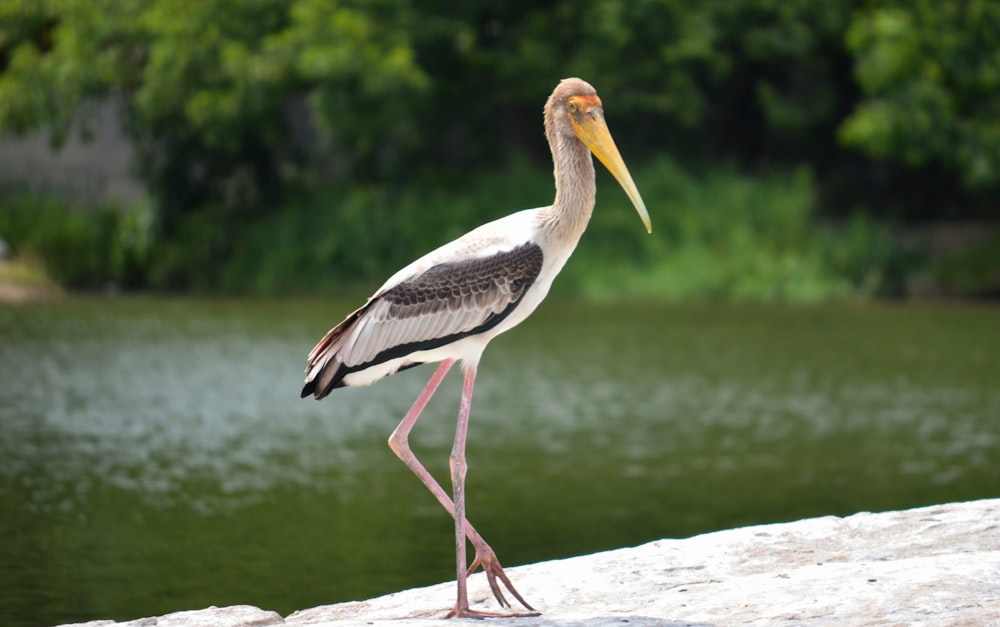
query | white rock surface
[929, 566]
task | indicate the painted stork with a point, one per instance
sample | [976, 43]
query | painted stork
[448, 305]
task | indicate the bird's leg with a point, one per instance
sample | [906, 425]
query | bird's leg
[485, 556]
[399, 443]
[458, 468]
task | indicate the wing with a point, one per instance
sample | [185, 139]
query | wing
[437, 307]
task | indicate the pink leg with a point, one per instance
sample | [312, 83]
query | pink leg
[399, 443]
[458, 468]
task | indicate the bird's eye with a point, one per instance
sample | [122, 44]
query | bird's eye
[571, 107]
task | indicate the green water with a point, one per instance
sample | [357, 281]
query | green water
[155, 456]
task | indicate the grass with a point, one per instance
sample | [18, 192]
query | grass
[26, 273]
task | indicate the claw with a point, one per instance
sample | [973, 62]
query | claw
[469, 613]
[487, 560]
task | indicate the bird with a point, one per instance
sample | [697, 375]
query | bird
[446, 306]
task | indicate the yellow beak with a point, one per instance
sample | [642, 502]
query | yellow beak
[590, 127]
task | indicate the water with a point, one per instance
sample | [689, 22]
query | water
[155, 456]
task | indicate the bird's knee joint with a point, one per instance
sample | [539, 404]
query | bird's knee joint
[458, 466]
[399, 442]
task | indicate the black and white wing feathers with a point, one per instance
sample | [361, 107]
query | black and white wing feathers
[426, 312]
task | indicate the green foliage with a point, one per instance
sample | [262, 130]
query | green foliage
[56, 55]
[698, 78]
[273, 135]
[233, 103]
[208, 86]
[716, 236]
[335, 238]
[930, 72]
[80, 247]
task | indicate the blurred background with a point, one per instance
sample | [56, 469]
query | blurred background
[192, 193]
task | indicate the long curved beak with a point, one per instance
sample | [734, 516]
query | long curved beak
[590, 127]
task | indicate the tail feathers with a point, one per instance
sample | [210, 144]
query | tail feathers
[320, 391]
[308, 389]
[326, 370]
[324, 377]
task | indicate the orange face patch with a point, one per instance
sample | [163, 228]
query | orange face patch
[583, 103]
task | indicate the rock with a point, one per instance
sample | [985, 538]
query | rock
[232, 616]
[932, 565]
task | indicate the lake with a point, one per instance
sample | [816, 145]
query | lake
[155, 456]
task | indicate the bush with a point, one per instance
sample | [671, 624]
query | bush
[330, 238]
[717, 235]
[81, 247]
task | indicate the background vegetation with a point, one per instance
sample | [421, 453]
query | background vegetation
[782, 146]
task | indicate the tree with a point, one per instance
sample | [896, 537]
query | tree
[215, 90]
[232, 103]
[930, 73]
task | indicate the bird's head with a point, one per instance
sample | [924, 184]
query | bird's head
[586, 118]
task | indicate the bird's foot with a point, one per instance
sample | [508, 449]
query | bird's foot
[456, 612]
[487, 559]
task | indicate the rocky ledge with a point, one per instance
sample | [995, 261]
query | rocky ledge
[935, 565]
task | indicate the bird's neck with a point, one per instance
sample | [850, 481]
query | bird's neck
[576, 190]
